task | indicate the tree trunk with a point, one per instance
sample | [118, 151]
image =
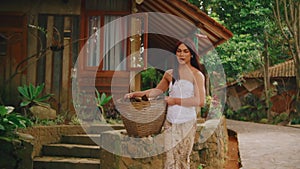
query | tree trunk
[267, 78]
[297, 71]
[289, 18]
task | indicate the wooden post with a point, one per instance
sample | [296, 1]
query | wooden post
[135, 45]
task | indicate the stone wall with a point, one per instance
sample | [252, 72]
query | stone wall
[210, 152]
[43, 135]
[112, 161]
[15, 154]
[118, 151]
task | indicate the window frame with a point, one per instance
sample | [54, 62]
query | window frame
[86, 14]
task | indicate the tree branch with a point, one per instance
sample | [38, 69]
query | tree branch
[278, 19]
[287, 19]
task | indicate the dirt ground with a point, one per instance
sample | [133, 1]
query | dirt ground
[232, 161]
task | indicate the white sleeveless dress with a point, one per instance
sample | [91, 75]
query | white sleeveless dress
[177, 114]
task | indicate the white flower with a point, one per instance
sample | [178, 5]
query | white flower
[275, 83]
[9, 109]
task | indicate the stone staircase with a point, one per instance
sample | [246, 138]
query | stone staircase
[73, 152]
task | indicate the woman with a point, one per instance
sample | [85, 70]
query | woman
[186, 92]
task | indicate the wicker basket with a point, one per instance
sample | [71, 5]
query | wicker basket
[143, 118]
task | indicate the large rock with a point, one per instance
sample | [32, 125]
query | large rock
[43, 112]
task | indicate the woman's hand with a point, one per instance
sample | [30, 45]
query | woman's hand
[128, 95]
[171, 100]
[134, 94]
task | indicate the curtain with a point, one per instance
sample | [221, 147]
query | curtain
[93, 44]
[115, 50]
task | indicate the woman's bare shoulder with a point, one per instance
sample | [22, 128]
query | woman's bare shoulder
[198, 74]
[169, 71]
[168, 74]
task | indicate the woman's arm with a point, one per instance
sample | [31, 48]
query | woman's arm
[162, 86]
[199, 94]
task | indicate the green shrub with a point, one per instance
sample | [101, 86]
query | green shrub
[31, 95]
[11, 121]
[200, 167]
[280, 118]
[295, 120]
[264, 121]
[253, 110]
[151, 77]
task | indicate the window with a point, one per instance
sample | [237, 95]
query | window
[104, 48]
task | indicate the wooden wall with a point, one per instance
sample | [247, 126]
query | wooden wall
[37, 26]
[54, 65]
[281, 95]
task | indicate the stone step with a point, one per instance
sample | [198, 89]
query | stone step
[65, 163]
[84, 139]
[71, 150]
[97, 129]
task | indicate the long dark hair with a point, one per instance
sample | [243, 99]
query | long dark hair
[194, 60]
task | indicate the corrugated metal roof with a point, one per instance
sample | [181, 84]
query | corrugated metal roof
[285, 69]
[215, 32]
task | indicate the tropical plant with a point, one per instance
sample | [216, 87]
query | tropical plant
[31, 95]
[101, 100]
[10, 121]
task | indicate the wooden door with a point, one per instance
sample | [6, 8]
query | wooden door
[13, 36]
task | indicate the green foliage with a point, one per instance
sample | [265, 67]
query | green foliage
[200, 167]
[280, 118]
[264, 121]
[247, 20]
[239, 55]
[102, 99]
[75, 120]
[45, 122]
[295, 120]
[59, 120]
[150, 78]
[212, 108]
[30, 95]
[10, 121]
[253, 110]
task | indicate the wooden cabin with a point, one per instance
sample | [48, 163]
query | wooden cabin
[283, 88]
[41, 42]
